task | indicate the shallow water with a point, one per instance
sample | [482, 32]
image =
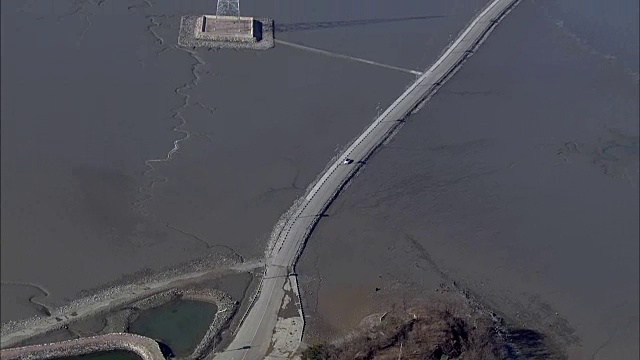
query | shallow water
[518, 181]
[93, 90]
[181, 324]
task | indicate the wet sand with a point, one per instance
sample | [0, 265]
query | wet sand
[18, 301]
[518, 181]
[85, 102]
[95, 95]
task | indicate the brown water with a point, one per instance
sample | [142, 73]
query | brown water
[518, 181]
[92, 92]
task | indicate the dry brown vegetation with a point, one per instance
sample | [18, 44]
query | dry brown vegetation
[436, 332]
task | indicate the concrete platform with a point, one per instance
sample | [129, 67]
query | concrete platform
[228, 28]
[213, 31]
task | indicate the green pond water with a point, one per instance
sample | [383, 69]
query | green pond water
[181, 324]
[107, 355]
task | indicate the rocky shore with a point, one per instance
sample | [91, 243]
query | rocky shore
[187, 38]
[144, 347]
[111, 297]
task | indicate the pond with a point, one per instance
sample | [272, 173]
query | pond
[181, 324]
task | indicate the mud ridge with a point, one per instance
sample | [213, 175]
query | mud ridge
[179, 128]
[42, 307]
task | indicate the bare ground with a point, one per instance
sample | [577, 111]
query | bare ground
[450, 329]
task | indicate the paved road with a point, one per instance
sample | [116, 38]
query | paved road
[253, 338]
[107, 300]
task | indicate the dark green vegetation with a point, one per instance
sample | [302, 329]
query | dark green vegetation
[180, 324]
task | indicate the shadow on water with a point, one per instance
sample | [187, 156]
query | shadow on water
[337, 24]
[165, 350]
[530, 344]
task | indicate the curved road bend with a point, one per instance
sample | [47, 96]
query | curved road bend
[253, 338]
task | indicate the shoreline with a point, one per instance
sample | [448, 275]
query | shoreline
[111, 298]
[263, 317]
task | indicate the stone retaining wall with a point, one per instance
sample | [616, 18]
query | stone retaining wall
[144, 347]
[187, 36]
[226, 308]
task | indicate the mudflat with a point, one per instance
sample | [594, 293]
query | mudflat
[122, 151]
[518, 181]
